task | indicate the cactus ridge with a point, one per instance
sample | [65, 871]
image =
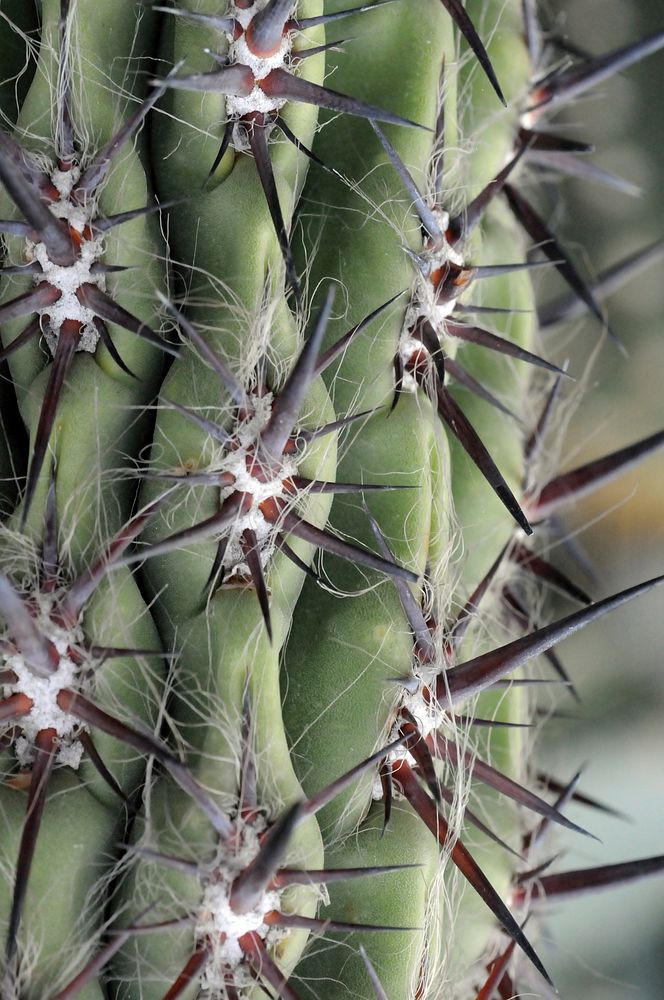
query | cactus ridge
[257, 740]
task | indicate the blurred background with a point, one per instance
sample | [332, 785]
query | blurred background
[610, 946]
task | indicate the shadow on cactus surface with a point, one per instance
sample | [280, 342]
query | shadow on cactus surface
[281, 507]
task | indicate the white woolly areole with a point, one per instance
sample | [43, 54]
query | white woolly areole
[69, 279]
[407, 347]
[245, 440]
[428, 715]
[43, 691]
[240, 54]
[424, 304]
[220, 926]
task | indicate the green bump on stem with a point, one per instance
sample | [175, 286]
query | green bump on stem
[330, 969]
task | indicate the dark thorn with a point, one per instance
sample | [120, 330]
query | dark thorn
[504, 785]
[251, 553]
[459, 15]
[40, 655]
[323, 876]
[570, 307]
[96, 171]
[16, 228]
[417, 747]
[532, 838]
[316, 802]
[190, 478]
[85, 585]
[462, 225]
[465, 379]
[499, 270]
[470, 720]
[323, 925]
[373, 976]
[281, 84]
[33, 329]
[86, 741]
[190, 971]
[225, 24]
[303, 23]
[545, 571]
[229, 380]
[258, 143]
[533, 35]
[482, 671]
[298, 55]
[412, 608]
[469, 309]
[96, 964]
[498, 967]
[263, 965]
[267, 26]
[198, 532]
[585, 800]
[281, 124]
[398, 381]
[27, 198]
[387, 786]
[15, 706]
[571, 486]
[425, 332]
[475, 335]
[540, 233]
[46, 747]
[248, 797]
[249, 886]
[39, 298]
[340, 345]
[106, 308]
[345, 550]
[223, 146]
[548, 142]
[570, 165]
[463, 619]
[426, 215]
[284, 547]
[317, 486]
[102, 224]
[18, 269]
[289, 399]
[106, 340]
[524, 619]
[208, 426]
[217, 571]
[233, 81]
[114, 652]
[306, 436]
[562, 87]
[469, 439]
[82, 708]
[475, 821]
[544, 420]
[522, 877]
[176, 864]
[585, 880]
[68, 339]
[439, 143]
[466, 864]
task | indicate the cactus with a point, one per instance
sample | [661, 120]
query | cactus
[277, 491]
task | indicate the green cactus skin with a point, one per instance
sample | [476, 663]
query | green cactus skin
[284, 788]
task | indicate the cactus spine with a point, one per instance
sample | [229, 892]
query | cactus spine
[265, 294]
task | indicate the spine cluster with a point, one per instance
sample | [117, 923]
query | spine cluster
[278, 424]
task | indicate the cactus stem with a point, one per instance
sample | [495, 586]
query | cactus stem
[46, 749]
